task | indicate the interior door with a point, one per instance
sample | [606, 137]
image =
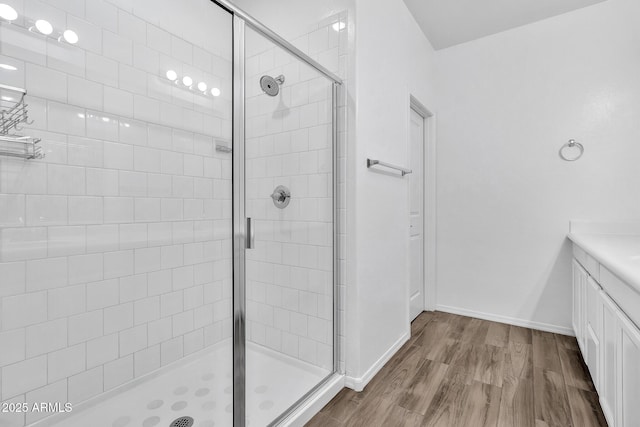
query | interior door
[416, 215]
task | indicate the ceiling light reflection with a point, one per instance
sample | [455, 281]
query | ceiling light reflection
[187, 82]
[44, 27]
[7, 12]
[70, 36]
[339, 26]
[172, 75]
[8, 67]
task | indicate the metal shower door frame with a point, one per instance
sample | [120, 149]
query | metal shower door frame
[240, 21]
[239, 226]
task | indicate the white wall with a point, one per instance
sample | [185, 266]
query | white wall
[506, 105]
[393, 60]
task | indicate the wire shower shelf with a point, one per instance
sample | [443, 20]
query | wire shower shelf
[14, 113]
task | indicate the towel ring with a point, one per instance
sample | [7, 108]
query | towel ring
[572, 143]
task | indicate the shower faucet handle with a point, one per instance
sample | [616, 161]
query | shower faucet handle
[281, 196]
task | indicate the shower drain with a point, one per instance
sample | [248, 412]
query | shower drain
[182, 422]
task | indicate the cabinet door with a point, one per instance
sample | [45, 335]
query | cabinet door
[593, 330]
[575, 293]
[628, 377]
[607, 387]
[578, 318]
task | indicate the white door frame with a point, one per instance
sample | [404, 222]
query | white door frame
[429, 200]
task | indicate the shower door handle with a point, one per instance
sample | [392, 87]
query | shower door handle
[251, 235]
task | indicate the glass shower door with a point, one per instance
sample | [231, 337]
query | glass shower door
[289, 203]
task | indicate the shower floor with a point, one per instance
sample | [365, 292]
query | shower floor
[202, 389]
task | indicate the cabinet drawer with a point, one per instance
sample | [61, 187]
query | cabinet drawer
[587, 261]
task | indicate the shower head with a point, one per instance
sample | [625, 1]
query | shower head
[270, 85]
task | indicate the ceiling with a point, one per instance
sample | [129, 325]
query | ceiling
[450, 22]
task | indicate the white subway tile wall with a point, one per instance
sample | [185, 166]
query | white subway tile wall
[115, 250]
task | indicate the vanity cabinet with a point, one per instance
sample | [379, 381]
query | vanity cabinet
[580, 276]
[607, 384]
[608, 339]
[628, 374]
[592, 332]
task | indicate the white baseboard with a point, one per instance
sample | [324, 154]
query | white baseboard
[358, 384]
[508, 320]
[315, 403]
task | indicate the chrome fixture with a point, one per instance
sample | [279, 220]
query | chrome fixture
[223, 148]
[403, 171]
[270, 85]
[251, 234]
[182, 422]
[13, 114]
[281, 197]
[566, 149]
[13, 109]
[24, 147]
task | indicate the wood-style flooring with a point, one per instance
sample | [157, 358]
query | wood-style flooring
[461, 371]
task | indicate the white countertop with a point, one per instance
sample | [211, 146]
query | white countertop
[620, 254]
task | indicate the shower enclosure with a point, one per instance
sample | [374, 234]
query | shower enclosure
[167, 216]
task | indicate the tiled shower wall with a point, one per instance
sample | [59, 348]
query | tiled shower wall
[115, 250]
[289, 142]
